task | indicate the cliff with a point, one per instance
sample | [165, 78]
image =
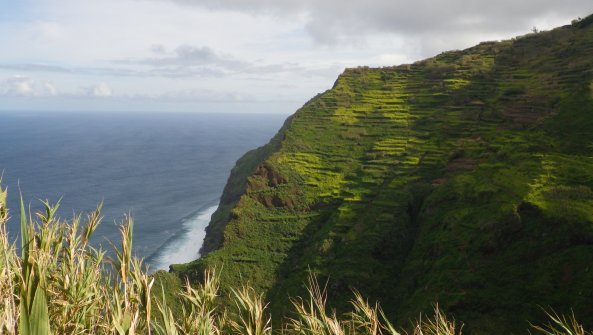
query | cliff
[464, 179]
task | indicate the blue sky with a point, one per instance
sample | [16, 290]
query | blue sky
[266, 56]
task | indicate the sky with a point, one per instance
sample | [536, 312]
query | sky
[231, 56]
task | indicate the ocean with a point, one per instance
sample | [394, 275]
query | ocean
[167, 170]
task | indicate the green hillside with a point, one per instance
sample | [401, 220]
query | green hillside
[465, 179]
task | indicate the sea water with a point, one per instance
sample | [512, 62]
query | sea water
[167, 170]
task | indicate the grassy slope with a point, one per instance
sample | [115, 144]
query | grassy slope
[464, 179]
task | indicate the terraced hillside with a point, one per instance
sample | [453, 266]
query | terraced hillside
[464, 179]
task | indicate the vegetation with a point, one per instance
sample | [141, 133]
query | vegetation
[464, 179]
[61, 285]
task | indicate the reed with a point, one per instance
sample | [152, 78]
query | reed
[60, 284]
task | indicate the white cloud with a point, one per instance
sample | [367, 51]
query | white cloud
[281, 50]
[22, 86]
[101, 90]
[47, 30]
[204, 95]
[158, 48]
[49, 89]
[188, 56]
[185, 61]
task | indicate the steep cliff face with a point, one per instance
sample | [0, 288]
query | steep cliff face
[236, 187]
[465, 179]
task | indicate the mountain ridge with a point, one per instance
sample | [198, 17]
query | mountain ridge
[463, 179]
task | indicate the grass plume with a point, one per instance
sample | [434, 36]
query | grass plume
[60, 284]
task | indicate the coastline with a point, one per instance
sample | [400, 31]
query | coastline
[182, 246]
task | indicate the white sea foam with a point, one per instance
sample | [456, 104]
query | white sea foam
[186, 247]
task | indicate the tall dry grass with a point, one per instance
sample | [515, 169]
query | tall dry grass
[60, 284]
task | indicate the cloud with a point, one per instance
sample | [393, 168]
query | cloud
[158, 49]
[331, 21]
[176, 71]
[184, 62]
[192, 95]
[204, 95]
[21, 86]
[202, 61]
[188, 56]
[261, 49]
[35, 67]
[47, 29]
[101, 90]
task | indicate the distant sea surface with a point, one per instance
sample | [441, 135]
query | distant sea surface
[167, 169]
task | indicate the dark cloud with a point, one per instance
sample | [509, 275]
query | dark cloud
[330, 21]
